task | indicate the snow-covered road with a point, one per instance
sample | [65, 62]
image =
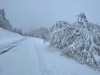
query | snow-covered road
[33, 57]
[8, 46]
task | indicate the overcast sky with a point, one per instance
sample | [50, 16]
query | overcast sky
[30, 14]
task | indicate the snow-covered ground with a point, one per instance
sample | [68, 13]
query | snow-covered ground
[30, 56]
[7, 36]
[33, 57]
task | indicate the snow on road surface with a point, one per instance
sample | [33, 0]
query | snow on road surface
[33, 57]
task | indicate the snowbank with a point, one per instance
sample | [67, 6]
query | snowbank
[7, 36]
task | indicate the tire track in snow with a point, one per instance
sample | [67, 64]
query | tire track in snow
[42, 65]
[6, 47]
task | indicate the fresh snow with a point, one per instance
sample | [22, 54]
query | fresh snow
[33, 57]
[7, 36]
[30, 56]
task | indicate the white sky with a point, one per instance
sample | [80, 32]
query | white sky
[30, 14]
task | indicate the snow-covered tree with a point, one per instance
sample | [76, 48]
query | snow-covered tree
[80, 40]
[4, 23]
[81, 16]
[19, 31]
[39, 32]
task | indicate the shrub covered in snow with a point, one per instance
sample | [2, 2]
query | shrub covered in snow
[80, 40]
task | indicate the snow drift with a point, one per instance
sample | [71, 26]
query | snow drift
[7, 36]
